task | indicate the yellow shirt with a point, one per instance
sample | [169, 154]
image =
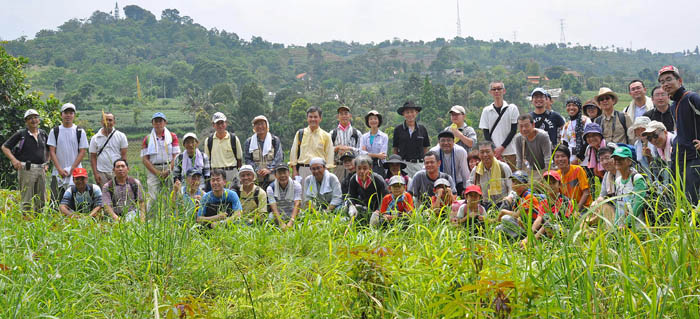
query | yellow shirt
[314, 144]
[221, 153]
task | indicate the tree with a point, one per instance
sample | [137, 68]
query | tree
[137, 13]
[208, 73]
[172, 15]
[533, 68]
[555, 72]
[250, 105]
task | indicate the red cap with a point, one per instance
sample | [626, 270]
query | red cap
[79, 172]
[472, 189]
[669, 68]
[552, 173]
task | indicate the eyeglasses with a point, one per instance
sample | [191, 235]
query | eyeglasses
[496, 89]
[651, 136]
[604, 98]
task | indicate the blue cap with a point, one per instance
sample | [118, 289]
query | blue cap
[157, 115]
[521, 176]
[194, 171]
[539, 90]
[592, 128]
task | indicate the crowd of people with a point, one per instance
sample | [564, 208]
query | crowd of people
[530, 170]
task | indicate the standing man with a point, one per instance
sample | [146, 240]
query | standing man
[662, 110]
[544, 119]
[532, 145]
[107, 146]
[29, 154]
[224, 150]
[310, 142]
[411, 140]
[613, 123]
[263, 151]
[123, 196]
[499, 122]
[465, 136]
[640, 103]
[686, 112]
[158, 152]
[345, 139]
[67, 146]
[453, 159]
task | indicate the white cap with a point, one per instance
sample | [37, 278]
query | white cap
[441, 181]
[218, 116]
[317, 160]
[458, 109]
[246, 168]
[654, 126]
[68, 106]
[188, 135]
[260, 118]
[396, 179]
[30, 112]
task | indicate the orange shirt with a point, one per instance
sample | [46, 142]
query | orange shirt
[402, 207]
[574, 183]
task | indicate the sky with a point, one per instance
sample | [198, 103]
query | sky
[627, 24]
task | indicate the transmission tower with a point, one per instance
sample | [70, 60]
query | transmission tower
[562, 38]
[116, 10]
[459, 24]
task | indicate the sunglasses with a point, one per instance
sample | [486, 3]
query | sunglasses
[651, 136]
[604, 98]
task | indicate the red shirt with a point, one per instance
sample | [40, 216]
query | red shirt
[404, 206]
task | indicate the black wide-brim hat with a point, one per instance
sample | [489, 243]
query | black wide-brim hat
[408, 105]
[394, 159]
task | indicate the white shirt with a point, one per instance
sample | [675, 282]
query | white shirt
[111, 152]
[67, 149]
[499, 134]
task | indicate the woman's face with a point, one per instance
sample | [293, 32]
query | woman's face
[591, 112]
[395, 169]
[594, 140]
[473, 162]
[373, 121]
[622, 164]
[571, 109]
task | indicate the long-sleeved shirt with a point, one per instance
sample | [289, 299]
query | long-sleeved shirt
[369, 196]
[536, 152]
[179, 175]
[685, 106]
[315, 143]
[313, 189]
[274, 156]
[376, 145]
[460, 171]
[630, 196]
[613, 130]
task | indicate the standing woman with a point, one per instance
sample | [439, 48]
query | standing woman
[573, 130]
[375, 142]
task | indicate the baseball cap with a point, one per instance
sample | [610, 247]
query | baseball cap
[255, 119]
[188, 135]
[29, 113]
[458, 109]
[520, 177]
[79, 172]
[669, 68]
[194, 171]
[281, 166]
[538, 90]
[218, 116]
[623, 152]
[553, 174]
[441, 181]
[654, 126]
[343, 107]
[396, 179]
[246, 168]
[158, 115]
[473, 189]
[348, 154]
[67, 106]
[446, 133]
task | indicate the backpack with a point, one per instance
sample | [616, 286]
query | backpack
[232, 138]
[130, 181]
[78, 134]
[623, 121]
[74, 190]
[17, 150]
[300, 132]
[256, 192]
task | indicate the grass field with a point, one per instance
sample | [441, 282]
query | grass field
[328, 268]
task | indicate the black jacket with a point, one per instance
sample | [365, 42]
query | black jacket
[686, 112]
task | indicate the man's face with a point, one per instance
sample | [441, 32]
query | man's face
[193, 181]
[669, 83]
[397, 189]
[317, 170]
[431, 164]
[247, 178]
[497, 90]
[217, 182]
[260, 127]
[220, 126]
[158, 124]
[32, 121]
[606, 103]
[363, 171]
[68, 116]
[525, 127]
[539, 100]
[637, 90]
[191, 144]
[447, 144]
[410, 115]
[109, 121]
[80, 182]
[660, 98]
[657, 138]
[282, 176]
[313, 119]
[344, 116]
[348, 164]
[594, 140]
[571, 109]
[607, 162]
[120, 169]
[622, 163]
[561, 160]
[486, 154]
[457, 118]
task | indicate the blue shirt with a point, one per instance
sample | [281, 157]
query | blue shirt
[189, 202]
[229, 198]
[83, 202]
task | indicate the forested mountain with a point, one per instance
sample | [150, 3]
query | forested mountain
[94, 63]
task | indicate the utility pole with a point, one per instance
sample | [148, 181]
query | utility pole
[562, 38]
[515, 36]
[459, 24]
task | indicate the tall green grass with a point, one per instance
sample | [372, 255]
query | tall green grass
[327, 268]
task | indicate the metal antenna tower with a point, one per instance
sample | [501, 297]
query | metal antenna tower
[459, 24]
[562, 38]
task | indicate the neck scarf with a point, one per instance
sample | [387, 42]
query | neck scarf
[188, 163]
[364, 184]
[454, 170]
[289, 195]
[323, 189]
[267, 144]
[495, 186]
[593, 157]
[578, 131]
[153, 144]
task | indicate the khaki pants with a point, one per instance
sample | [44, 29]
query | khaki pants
[155, 183]
[32, 185]
[599, 211]
[413, 168]
[303, 172]
[105, 177]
